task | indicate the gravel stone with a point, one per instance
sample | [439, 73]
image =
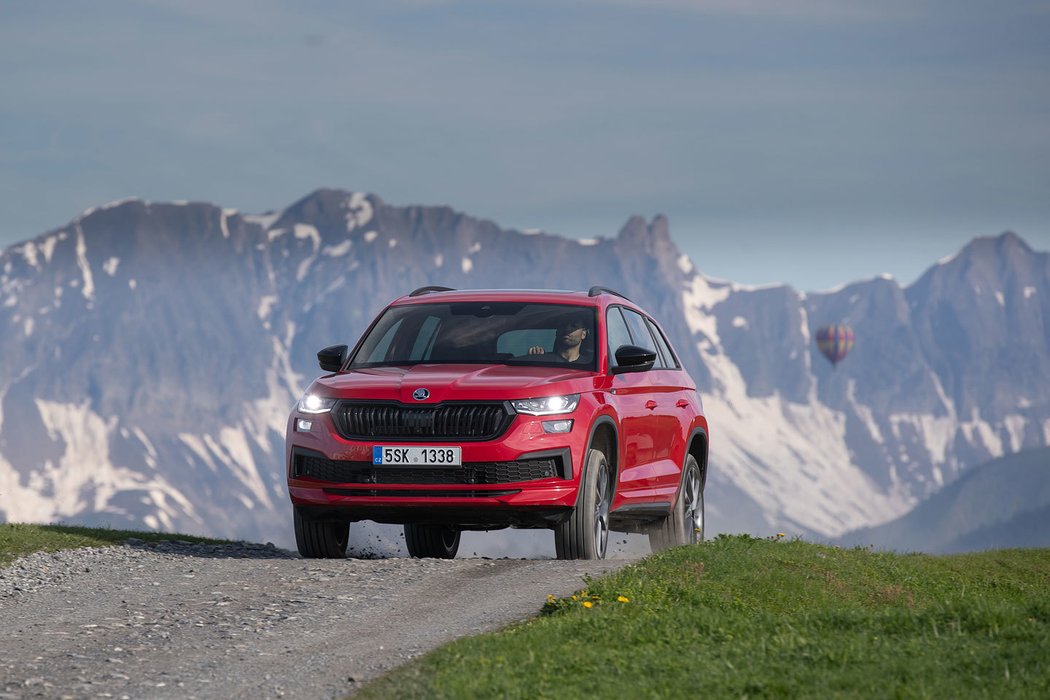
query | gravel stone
[177, 619]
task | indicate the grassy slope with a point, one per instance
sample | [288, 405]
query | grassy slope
[743, 617]
[19, 540]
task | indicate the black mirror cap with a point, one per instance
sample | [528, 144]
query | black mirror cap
[332, 358]
[631, 358]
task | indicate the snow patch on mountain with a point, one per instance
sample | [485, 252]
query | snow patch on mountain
[304, 232]
[223, 226]
[1015, 425]
[979, 431]
[863, 412]
[29, 252]
[703, 295]
[85, 479]
[151, 451]
[358, 211]
[338, 250]
[793, 459]
[266, 303]
[85, 268]
[265, 220]
[307, 232]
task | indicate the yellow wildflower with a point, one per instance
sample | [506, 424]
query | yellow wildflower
[588, 604]
[623, 599]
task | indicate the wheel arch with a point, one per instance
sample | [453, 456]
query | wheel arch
[698, 448]
[604, 437]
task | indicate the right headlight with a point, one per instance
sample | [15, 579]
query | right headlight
[314, 404]
[547, 406]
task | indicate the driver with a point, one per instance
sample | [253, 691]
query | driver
[568, 340]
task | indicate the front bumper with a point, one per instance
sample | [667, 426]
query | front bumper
[524, 478]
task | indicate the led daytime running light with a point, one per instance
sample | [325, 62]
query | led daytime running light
[547, 405]
[313, 404]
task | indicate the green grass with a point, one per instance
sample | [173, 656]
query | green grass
[739, 617]
[18, 540]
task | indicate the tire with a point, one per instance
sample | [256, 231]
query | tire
[585, 534]
[431, 541]
[685, 523]
[321, 539]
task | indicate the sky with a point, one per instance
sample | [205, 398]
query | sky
[812, 142]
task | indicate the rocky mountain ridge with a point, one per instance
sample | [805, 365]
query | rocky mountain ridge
[153, 351]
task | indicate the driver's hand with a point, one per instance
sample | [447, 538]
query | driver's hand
[536, 350]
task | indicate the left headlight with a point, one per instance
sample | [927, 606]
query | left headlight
[313, 404]
[547, 406]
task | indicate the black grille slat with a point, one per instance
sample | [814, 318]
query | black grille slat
[346, 472]
[483, 421]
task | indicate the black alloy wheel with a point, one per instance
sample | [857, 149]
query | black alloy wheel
[585, 533]
[685, 523]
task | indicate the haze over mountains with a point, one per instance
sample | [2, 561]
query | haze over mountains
[152, 352]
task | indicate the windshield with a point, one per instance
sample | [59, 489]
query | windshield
[481, 333]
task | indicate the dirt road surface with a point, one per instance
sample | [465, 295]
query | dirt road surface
[196, 621]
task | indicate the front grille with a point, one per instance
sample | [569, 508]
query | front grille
[372, 421]
[344, 472]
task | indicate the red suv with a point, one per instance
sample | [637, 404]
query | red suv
[485, 409]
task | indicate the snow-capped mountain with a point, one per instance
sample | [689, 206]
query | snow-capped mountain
[152, 353]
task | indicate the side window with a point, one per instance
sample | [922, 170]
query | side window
[616, 330]
[671, 362]
[639, 331]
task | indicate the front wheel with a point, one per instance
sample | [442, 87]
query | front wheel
[320, 539]
[585, 534]
[431, 541]
[685, 523]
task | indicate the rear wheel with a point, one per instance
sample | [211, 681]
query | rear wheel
[685, 523]
[433, 541]
[320, 539]
[585, 534]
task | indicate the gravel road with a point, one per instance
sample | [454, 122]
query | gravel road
[179, 620]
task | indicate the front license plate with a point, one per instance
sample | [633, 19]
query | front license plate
[428, 456]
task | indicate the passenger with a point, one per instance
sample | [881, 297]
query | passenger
[568, 341]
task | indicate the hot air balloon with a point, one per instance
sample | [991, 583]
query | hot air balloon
[835, 341]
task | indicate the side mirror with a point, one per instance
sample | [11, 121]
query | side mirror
[631, 358]
[332, 358]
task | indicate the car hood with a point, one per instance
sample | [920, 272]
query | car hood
[452, 383]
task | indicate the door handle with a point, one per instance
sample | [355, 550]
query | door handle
[650, 404]
[682, 403]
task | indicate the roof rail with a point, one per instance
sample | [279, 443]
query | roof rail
[596, 290]
[427, 290]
